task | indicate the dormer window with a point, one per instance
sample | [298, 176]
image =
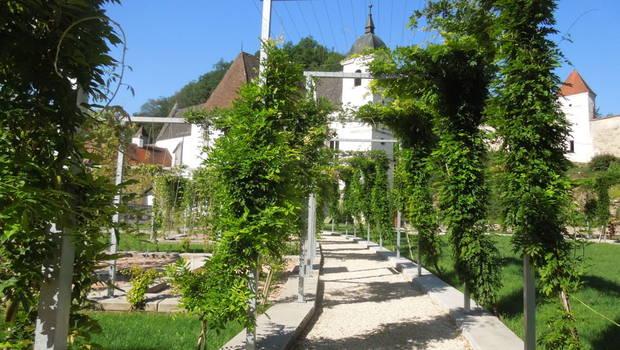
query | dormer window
[357, 81]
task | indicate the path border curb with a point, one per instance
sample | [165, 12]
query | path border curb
[281, 325]
[481, 328]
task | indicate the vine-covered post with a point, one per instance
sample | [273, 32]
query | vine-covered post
[114, 234]
[533, 131]
[398, 234]
[52, 324]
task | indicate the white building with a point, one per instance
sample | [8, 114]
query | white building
[590, 135]
[355, 93]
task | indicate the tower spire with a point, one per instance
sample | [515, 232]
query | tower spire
[370, 25]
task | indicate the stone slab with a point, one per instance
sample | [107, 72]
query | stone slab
[281, 324]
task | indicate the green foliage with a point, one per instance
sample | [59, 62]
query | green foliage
[313, 56]
[406, 117]
[602, 162]
[140, 280]
[446, 85]
[527, 116]
[258, 176]
[43, 178]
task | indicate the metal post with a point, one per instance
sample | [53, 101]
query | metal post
[52, 323]
[419, 257]
[367, 233]
[398, 235]
[302, 270]
[311, 228]
[346, 227]
[354, 229]
[529, 304]
[250, 337]
[265, 31]
[120, 160]
[466, 301]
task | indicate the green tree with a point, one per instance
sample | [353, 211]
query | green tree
[260, 172]
[533, 131]
[48, 50]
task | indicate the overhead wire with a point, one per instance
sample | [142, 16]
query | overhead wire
[316, 19]
[303, 17]
[391, 24]
[344, 33]
[293, 21]
[275, 10]
[354, 21]
[331, 28]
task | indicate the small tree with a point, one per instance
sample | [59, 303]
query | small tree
[260, 171]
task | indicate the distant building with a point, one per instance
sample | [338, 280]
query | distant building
[354, 93]
[186, 142]
[590, 134]
[139, 152]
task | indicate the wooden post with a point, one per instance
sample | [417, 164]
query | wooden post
[529, 304]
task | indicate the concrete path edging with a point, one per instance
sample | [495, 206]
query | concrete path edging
[483, 330]
[280, 326]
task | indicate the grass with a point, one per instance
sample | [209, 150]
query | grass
[140, 242]
[155, 331]
[600, 290]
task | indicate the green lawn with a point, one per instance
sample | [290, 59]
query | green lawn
[155, 331]
[601, 291]
[140, 242]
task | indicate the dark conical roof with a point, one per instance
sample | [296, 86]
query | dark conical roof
[368, 39]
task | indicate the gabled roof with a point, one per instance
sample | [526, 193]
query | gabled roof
[243, 69]
[575, 84]
[142, 133]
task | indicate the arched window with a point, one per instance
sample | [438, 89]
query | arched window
[357, 81]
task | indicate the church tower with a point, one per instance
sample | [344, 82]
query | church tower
[356, 93]
[577, 102]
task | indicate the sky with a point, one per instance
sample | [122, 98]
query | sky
[172, 42]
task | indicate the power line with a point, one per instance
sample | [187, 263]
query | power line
[293, 21]
[275, 9]
[391, 22]
[344, 33]
[303, 17]
[316, 19]
[354, 22]
[331, 28]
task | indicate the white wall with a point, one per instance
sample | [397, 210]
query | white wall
[579, 110]
[192, 155]
[606, 135]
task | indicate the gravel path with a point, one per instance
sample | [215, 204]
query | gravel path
[366, 305]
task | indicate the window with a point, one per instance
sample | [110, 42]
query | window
[335, 145]
[357, 81]
[571, 146]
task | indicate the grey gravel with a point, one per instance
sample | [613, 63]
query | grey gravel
[368, 306]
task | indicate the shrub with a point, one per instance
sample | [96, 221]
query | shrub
[602, 162]
[140, 281]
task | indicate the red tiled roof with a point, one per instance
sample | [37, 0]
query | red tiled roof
[243, 69]
[148, 154]
[574, 84]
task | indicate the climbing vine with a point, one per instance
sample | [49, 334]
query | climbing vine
[260, 173]
[413, 195]
[534, 131]
[43, 176]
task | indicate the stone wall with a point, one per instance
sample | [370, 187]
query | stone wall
[606, 135]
